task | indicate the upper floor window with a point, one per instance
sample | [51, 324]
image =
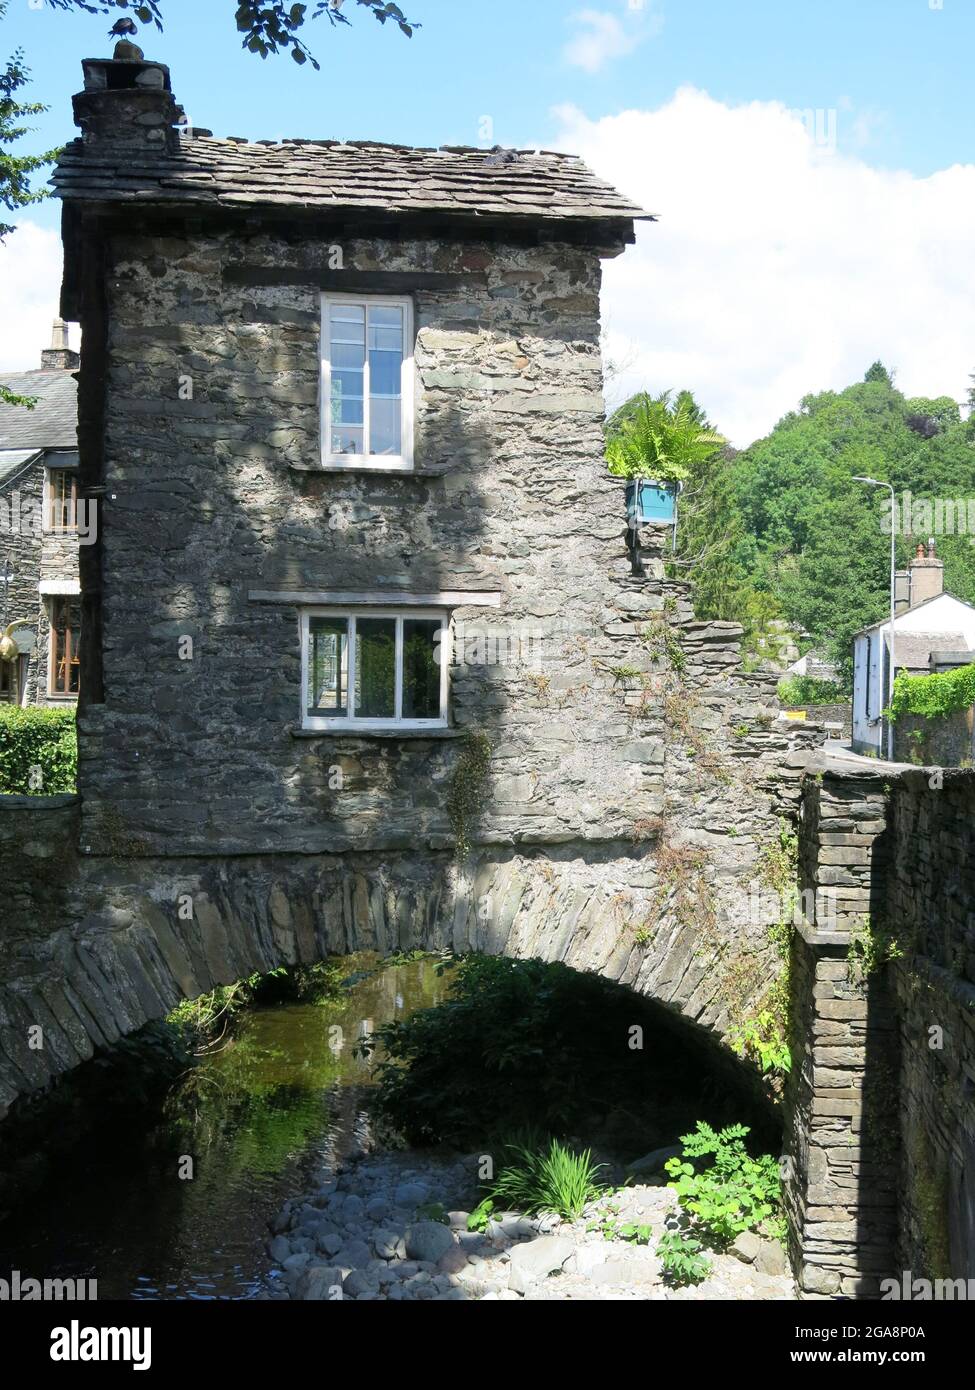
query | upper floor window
[374, 669]
[62, 499]
[367, 382]
[65, 645]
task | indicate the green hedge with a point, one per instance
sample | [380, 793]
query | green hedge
[38, 751]
[806, 690]
[935, 696]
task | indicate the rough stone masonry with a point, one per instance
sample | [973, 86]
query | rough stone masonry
[635, 777]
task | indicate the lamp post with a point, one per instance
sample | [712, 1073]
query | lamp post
[874, 482]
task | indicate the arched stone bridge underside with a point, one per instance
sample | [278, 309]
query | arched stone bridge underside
[128, 939]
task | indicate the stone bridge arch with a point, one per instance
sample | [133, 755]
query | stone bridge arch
[117, 943]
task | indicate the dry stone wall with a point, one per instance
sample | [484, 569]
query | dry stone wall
[881, 1104]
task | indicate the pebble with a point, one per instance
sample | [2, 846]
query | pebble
[358, 1237]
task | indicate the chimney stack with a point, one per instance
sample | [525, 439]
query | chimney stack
[927, 575]
[59, 357]
[127, 106]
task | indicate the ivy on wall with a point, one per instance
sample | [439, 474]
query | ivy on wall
[934, 696]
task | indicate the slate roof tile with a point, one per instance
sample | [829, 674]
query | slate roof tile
[363, 175]
[53, 423]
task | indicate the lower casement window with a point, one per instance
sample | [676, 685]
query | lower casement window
[374, 668]
[65, 645]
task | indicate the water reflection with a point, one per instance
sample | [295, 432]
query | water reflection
[180, 1209]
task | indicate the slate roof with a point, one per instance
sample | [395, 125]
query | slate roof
[53, 423]
[12, 461]
[358, 176]
[912, 650]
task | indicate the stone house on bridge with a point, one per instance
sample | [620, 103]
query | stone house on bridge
[365, 662]
[360, 619]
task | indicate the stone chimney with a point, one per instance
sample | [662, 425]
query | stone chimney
[927, 575]
[127, 106]
[59, 357]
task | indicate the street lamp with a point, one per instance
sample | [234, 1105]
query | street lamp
[874, 482]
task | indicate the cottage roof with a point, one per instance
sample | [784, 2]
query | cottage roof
[53, 423]
[12, 461]
[909, 613]
[912, 650]
[356, 176]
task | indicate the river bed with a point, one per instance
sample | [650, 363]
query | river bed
[255, 1124]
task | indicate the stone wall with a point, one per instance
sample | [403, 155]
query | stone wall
[882, 1096]
[932, 914]
[942, 742]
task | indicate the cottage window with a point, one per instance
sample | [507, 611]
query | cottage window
[374, 669]
[65, 645]
[367, 382]
[62, 499]
[8, 682]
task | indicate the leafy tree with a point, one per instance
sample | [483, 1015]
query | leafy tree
[878, 372]
[267, 26]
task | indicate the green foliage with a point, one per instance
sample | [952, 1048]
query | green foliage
[466, 789]
[762, 1039]
[479, 1218]
[682, 1259]
[734, 1192]
[935, 696]
[267, 26]
[518, 1043]
[806, 690]
[15, 170]
[662, 640]
[870, 949]
[651, 438]
[549, 1177]
[780, 530]
[38, 751]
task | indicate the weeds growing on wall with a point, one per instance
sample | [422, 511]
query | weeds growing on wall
[763, 1038]
[465, 796]
[871, 948]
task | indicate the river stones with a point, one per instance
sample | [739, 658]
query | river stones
[388, 1244]
[428, 1240]
[536, 1260]
[318, 1283]
[411, 1194]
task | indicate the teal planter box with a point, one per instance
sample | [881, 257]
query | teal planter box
[656, 503]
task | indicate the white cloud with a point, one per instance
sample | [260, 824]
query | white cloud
[778, 267]
[30, 286]
[602, 36]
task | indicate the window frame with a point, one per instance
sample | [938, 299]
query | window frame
[403, 461]
[52, 646]
[382, 724]
[50, 526]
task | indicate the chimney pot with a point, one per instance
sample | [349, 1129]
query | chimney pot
[59, 357]
[927, 574]
[127, 105]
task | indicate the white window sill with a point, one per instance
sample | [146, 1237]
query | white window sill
[437, 731]
[398, 470]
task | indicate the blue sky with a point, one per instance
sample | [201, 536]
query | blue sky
[889, 79]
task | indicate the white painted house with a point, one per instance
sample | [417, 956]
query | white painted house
[936, 631]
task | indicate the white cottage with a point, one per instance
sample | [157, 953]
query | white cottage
[933, 631]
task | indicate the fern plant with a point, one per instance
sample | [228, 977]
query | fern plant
[660, 441]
